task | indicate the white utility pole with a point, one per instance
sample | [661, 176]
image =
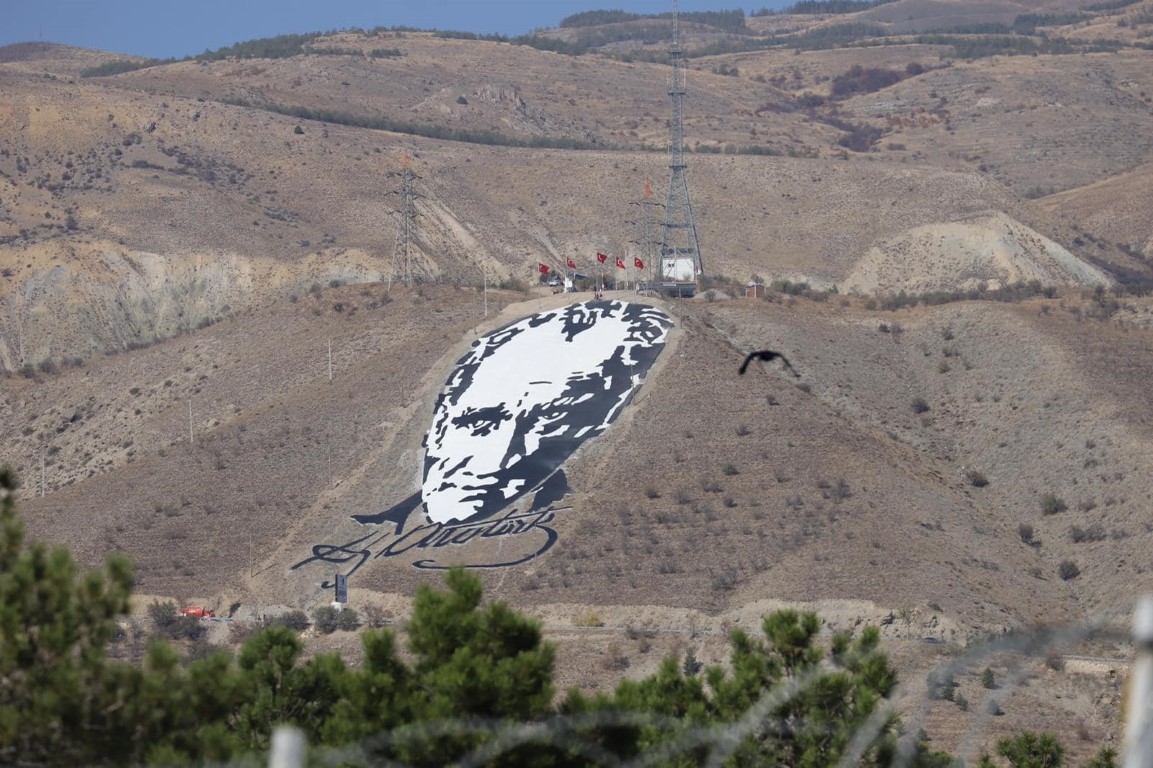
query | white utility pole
[484, 280]
[191, 436]
[1139, 717]
[330, 361]
[288, 747]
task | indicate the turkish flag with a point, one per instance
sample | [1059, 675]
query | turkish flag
[543, 268]
[620, 263]
[638, 263]
[601, 257]
[571, 264]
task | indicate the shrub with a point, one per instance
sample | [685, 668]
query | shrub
[730, 470]
[691, 665]
[1052, 504]
[169, 623]
[710, 486]
[941, 685]
[1025, 531]
[348, 620]
[324, 619]
[988, 679]
[1095, 532]
[858, 79]
[297, 621]
[1068, 570]
[976, 478]
[920, 405]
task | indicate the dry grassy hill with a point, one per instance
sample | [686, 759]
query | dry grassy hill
[170, 236]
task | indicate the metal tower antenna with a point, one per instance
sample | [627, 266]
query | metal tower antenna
[680, 248]
[402, 261]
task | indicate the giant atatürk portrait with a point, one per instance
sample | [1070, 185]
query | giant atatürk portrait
[514, 408]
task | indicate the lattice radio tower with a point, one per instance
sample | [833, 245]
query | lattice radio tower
[680, 248]
[402, 261]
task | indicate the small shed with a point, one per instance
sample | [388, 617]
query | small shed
[754, 289]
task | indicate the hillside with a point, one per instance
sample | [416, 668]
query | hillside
[182, 243]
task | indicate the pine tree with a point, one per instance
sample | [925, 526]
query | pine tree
[1032, 750]
[55, 686]
[820, 708]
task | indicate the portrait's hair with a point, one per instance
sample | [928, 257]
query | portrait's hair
[528, 394]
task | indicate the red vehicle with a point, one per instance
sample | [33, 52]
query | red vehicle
[197, 612]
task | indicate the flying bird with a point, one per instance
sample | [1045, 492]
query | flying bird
[766, 355]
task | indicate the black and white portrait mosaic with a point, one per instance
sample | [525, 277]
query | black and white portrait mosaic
[512, 411]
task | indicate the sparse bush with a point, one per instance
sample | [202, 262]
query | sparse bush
[988, 679]
[941, 685]
[374, 616]
[651, 492]
[169, 623]
[1025, 531]
[976, 478]
[616, 660]
[348, 620]
[1051, 504]
[920, 405]
[297, 620]
[730, 470]
[324, 619]
[1095, 532]
[725, 580]
[1068, 570]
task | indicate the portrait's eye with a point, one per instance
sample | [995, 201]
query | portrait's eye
[482, 421]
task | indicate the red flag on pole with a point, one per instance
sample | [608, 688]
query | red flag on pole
[620, 263]
[638, 263]
[543, 268]
[571, 264]
[601, 257]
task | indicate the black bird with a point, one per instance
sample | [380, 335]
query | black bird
[766, 355]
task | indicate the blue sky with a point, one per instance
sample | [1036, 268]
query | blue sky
[177, 28]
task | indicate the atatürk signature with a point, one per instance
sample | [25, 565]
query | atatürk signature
[434, 536]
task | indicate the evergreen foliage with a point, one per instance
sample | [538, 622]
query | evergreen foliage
[279, 47]
[832, 6]
[784, 701]
[476, 681]
[478, 136]
[1032, 750]
[119, 66]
